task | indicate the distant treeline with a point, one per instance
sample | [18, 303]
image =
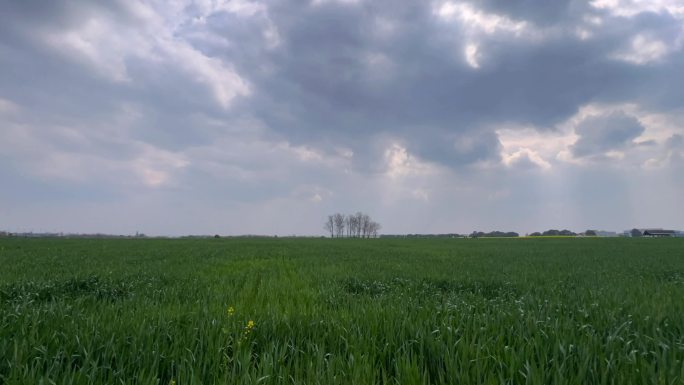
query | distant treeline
[449, 235]
[474, 234]
[494, 234]
[556, 233]
[7, 234]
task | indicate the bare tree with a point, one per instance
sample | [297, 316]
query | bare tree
[339, 225]
[365, 225]
[353, 225]
[374, 227]
[359, 223]
[329, 225]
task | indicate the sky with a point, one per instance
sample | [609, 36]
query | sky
[174, 117]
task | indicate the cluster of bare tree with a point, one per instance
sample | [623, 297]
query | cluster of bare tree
[357, 225]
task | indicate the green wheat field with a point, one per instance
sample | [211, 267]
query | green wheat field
[347, 311]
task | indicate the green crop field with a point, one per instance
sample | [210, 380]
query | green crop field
[348, 311]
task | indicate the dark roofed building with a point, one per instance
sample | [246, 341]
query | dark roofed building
[659, 233]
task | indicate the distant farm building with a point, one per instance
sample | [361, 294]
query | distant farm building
[652, 233]
[658, 233]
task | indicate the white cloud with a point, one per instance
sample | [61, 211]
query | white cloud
[524, 158]
[629, 8]
[8, 107]
[670, 153]
[659, 126]
[472, 55]
[74, 154]
[96, 43]
[547, 148]
[107, 45]
[221, 78]
[479, 21]
[156, 166]
[302, 153]
[649, 149]
[583, 34]
[646, 46]
[478, 26]
[319, 2]
[535, 144]
[642, 50]
[399, 163]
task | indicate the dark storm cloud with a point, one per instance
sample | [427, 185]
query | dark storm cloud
[675, 142]
[540, 12]
[341, 72]
[600, 134]
[337, 76]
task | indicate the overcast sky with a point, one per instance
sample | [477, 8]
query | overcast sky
[233, 117]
